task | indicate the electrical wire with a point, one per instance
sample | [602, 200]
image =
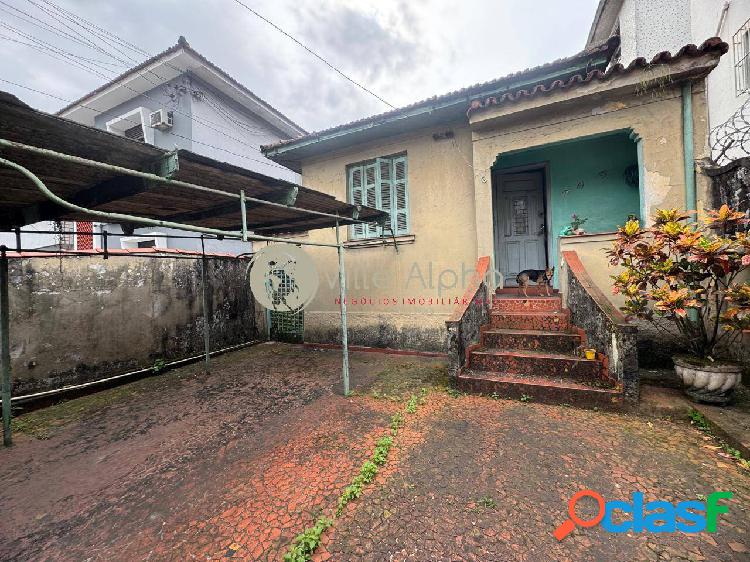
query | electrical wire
[204, 122]
[54, 48]
[88, 23]
[52, 54]
[36, 22]
[313, 53]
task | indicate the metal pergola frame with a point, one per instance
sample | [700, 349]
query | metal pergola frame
[243, 234]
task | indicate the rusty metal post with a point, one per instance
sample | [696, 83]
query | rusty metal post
[5, 345]
[342, 299]
[206, 324]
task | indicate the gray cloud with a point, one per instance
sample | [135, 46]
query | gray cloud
[402, 50]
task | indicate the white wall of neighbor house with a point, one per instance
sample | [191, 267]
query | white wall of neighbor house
[249, 131]
[30, 237]
[172, 96]
[182, 239]
[648, 27]
[723, 98]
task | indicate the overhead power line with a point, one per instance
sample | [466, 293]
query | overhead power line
[313, 53]
[30, 19]
[103, 34]
[102, 64]
[90, 24]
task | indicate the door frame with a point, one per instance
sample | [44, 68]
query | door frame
[546, 201]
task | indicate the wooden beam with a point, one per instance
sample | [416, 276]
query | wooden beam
[283, 222]
[210, 212]
[285, 196]
[107, 191]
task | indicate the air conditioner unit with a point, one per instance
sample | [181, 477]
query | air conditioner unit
[161, 119]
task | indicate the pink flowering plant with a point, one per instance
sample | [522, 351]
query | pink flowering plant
[684, 277]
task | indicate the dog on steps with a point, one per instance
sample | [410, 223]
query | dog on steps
[538, 276]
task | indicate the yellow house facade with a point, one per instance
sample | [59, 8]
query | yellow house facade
[499, 169]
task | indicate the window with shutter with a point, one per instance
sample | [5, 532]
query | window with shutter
[400, 212]
[371, 192]
[381, 184]
[356, 197]
[385, 189]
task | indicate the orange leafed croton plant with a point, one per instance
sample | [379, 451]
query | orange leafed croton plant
[687, 278]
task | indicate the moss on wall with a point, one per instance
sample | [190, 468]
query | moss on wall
[74, 320]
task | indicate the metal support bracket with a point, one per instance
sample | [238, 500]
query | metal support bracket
[291, 196]
[168, 165]
[393, 235]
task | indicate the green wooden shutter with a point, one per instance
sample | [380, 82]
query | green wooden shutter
[371, 194]
[385, 191]
[400, 211]
[356, 196]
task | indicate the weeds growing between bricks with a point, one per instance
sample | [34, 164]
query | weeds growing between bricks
[699, 420]
[304, 545]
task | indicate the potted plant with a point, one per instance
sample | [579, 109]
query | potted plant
[574, 228]
[684, 278]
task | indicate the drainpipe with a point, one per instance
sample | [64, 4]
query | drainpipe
[689, 160]
[722, 19]
[687, 148]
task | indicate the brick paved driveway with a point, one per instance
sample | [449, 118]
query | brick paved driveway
[233, 465]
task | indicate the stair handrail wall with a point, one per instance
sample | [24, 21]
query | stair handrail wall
[470, 314]
[607, 329]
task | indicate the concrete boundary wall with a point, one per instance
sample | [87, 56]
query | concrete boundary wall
[78, 319]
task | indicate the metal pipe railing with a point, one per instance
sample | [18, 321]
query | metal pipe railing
[123, 217]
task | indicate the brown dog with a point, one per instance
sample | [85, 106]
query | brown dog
[538, 276]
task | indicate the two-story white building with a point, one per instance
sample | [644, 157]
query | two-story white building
[176, 99]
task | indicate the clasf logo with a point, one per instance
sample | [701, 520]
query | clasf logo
[653, 517]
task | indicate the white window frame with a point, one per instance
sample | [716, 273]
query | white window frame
[741, 52]
[128, 120]
[131, 242]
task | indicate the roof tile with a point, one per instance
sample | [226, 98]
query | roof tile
[713, 45]
[607, 47]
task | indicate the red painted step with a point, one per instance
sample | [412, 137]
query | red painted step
[505, 303]
[531, 290]
[555, 342]
[536, 364]
[541, 321]
[539, 389]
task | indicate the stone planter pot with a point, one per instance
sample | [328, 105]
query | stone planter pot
[712, 383]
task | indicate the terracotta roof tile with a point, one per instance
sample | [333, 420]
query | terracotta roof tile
[713, 45]
[606, 48]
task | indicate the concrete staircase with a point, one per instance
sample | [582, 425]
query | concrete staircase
[531, 348]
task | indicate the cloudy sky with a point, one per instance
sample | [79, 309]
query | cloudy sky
[403, 51]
